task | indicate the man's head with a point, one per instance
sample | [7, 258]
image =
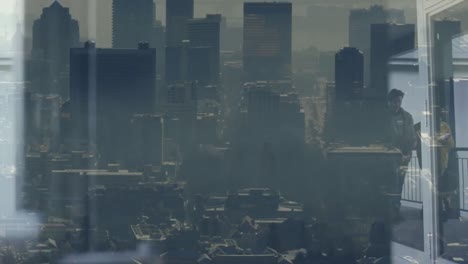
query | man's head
[394, 99]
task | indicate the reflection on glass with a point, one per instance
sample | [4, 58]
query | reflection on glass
[181, 131]
[449, 48]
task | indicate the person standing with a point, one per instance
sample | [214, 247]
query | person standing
[401, 136]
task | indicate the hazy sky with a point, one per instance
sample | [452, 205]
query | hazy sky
[95, 18]
[8, 6]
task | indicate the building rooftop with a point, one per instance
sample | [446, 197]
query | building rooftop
[56, 4]
[267, 221]
[246, 259]
[146, 232]
[377, 149]
[98, 172]
[459, 53]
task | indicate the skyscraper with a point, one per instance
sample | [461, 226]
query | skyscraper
[159, 42]
[349, 74]
[201, 65]
[109, 86]
[205, 33]
[360, 21]
[180, 107]
[387, 40]
[132, 22]
[197, 57]
[267, 40]
[263, 110]
[176, 63]
[178, 12]
[54, 33]
[122, 78]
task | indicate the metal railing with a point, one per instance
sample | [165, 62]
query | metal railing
[463, 177]
[412, 190]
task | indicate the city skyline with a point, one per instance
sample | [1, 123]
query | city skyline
[102, 33]
[290, 132]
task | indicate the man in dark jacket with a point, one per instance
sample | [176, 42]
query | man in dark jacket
[401, 136]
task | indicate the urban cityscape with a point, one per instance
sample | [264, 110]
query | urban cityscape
[297, 133]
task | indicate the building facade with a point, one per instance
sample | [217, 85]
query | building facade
[349, 74]
[359, 31]
[205, 33]
[178, 12]
[109, 86]
[50, 50]
[267, 40]
[387, 40]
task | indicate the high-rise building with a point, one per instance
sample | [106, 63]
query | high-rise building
[180, 107]
[109, 86]
[197, 57]
[349, 74]
[202, 66]
[360, 21]
[147, 140]
[205, 33]
[263, 109]
[387, 40]
[272, 128]
[132, 22]
[159, 42]
[176, 63]
[292, 118]
[119, 76]
[267, 40]
[54, 33]
[184, 63]
[178, 12]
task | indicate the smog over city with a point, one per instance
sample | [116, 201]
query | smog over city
[233, 131]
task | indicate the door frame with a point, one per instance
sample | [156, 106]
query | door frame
[426, 10]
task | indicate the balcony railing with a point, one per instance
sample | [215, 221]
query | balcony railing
[412, 189]
[462, 154]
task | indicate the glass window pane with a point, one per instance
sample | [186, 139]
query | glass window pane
[182, 131]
